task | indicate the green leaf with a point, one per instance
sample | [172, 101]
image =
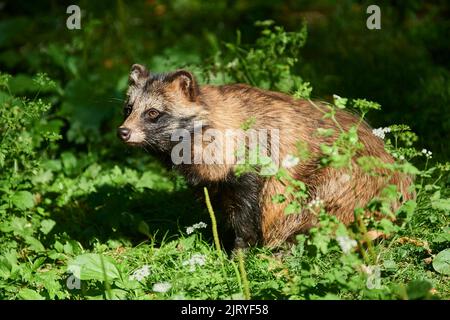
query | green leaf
[23, 200]
[144, 228]
[387, 226]
[442, 237]
[441, 204]
[34, 244]
[69, 161]
[5, 268]
[118, 294]
[407, 209]
[390, 265]
[28, 294]
[59, 246]
[47, 225]
[339, 101]
[418, 289]
[91, 266]
[147, 181]
[325, 132]
[292, 207]
[441, 263]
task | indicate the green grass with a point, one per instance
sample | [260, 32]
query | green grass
[139, 219]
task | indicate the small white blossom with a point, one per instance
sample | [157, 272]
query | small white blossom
[141, 274]
[381, 132]
[317, 202]
[162, 287]
[232, 64]
[346, 243]
[189, 230]
[192, 228]
[290, 161]
[427, 153]
[196, 259]
[200, 225]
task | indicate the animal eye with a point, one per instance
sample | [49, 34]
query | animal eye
[153, 113]
[127, 110]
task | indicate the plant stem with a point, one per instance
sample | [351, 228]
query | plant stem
[213, 221]
[108, 292]
[363, 230]
[245, 283]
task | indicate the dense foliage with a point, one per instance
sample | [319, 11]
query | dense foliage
[77, 204]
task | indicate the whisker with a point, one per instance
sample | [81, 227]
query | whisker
[117, 99]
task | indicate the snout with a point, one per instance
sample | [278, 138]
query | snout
[124, 133]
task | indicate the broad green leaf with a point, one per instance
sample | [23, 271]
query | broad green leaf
[441, 263]
[91, 266]
[69, 161]
[442, 237]
[28, 294]
[147, 181]
[34, 244]
[117, 294]
[441, 204]
[47, 225]
[418, 289]
[23, 200]
[5, 268]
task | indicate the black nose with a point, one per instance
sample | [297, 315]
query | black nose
[123, 133]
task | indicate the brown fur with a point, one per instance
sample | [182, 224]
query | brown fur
[228, 107]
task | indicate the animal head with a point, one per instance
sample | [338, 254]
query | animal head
[157, 105]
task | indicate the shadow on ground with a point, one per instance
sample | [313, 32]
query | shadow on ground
[124, 214]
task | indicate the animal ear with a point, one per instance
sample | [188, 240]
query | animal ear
[138, 74]
[186, 83]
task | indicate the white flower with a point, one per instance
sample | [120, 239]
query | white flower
[192, 228]
[189, 230]
[427, 153]
[141, 274]
[380, 132]
[290, 161]
[317, 202]
[162, 287]
[196, 259]
[200, 225]
[346, 243]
